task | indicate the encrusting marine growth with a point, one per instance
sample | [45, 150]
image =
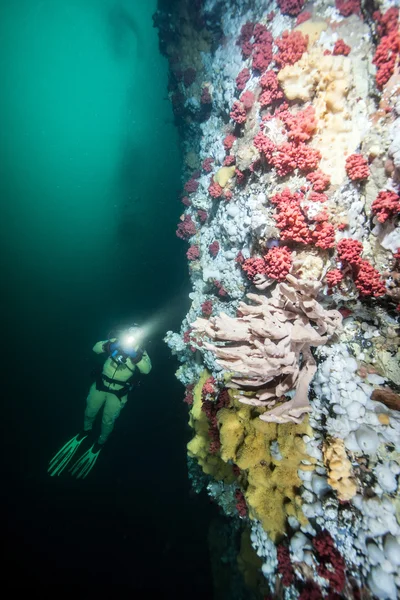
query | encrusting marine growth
[289, 115]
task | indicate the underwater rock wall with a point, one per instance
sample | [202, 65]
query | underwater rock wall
[289, 114]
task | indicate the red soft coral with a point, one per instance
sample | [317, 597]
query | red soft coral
[214, 248]
[291, 48]
[304, 16]
[186, 228]
[271, 90]
[368, 280]
[290, 218]
[206, 308]
[188, 399]
[291, 7]
[241, 505]
[285, 159]
[229, 160]
[387, 22]
[214, 189]
[320, 181]
[333, 277]
[386, 205]
[278, 262]
[202, 214]
[238, 113]
[253, 266]
[191, 186]
[307, 158]
[264, 145]
[317, 197]
[357, 167]
[349, 250]
[262, 48]
[193, 253]
[206, 165]
[341, 48]
[243, 40]
[228, 141]
[247, 99]
[284, 565]
[289, 156]
[323, 236]
[301, 125]
[385, 57]
[242, 79]
[209, 387]
[348, 7]
[331, 564]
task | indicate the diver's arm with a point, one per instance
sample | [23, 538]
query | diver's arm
[100, 347]
[144, 365]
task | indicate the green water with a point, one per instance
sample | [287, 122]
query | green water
[89, 155]
[89, 183]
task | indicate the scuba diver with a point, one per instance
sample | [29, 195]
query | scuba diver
[110, 393]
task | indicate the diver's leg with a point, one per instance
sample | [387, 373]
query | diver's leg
[112, 408]
[94, 402]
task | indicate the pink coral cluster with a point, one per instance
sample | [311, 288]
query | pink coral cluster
[388, 49]
[317, 197]
[294, 225]
[188, 399]
[238, 113]
[291, 47]
[214, 248]
[331, 564]
[291, 7]
[193, 253]
[357, 167]
[289, 156]
[348, 7]
[246, 33]
[334, 277]
[241, 505]
[271, 90]
[349, 250]
[228, 141]
[276, 264]
[285, 565]
[214, 189]
[262, 48]
[290, 218]
[247, 99]
[202, 214]
[386, 22]
[206, 165]
[341, 48]
[242, 78]
[366, 278]
[186, 228]
[301, 125]
[386, 205]
[191, 186]
[320, 182]
[209, 387]
[206, 308]
[264, 145]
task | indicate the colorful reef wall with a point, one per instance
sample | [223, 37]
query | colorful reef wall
[289, 115]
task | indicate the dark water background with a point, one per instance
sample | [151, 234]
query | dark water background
[89, 176]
